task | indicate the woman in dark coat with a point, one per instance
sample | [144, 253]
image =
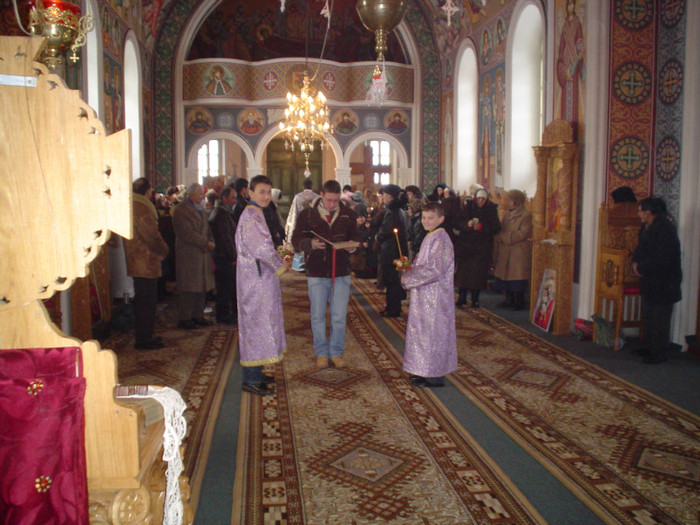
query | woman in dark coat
[474, 246]
[657, 263]
[394, 218]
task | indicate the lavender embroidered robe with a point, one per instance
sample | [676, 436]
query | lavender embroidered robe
[431, 340]
[261, 337]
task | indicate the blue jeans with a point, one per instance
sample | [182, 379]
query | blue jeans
[321, 292]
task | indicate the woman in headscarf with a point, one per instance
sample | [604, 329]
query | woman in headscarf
[392, 233]
[474, 246]
[438, 192]
[513, 251]
[273, 219]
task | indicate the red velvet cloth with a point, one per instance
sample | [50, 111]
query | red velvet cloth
[43, 476]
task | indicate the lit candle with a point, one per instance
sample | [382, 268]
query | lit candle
[398, 243]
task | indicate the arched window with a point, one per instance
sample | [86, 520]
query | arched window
[209, 160]
[466, 119]
[525, 95]
[133, 96]
[381, 161]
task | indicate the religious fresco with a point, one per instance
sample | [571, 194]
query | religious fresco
[345, 122]
[220, 80]
[396, 122]
[112, 32]
[447, 137]
[259, 82]
[492, 120]
[113, 101]
[251, 121]
[260, 31]
[570, 65]
[139, 15]
[198, 120]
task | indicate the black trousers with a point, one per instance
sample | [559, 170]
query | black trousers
[656, 326]
[225, 278]
[394, 291]
[145, 302]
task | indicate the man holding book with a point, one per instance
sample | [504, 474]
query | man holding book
[326, 232]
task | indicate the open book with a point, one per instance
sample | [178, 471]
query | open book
[343, 245]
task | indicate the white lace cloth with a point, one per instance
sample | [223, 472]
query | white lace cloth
[175, 429]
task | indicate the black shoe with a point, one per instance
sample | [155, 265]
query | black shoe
[644, 352]
[422, 382]
[388, 314]
[654, 359]
[268, 380]
[259, 389]
[418, 381]
[475, 298]
[153, 344]
[201, 321]
[226, 320]
[187, 325]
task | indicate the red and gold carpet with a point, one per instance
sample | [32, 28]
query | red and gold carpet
[630, 456]
[196, 363]
[359, 444]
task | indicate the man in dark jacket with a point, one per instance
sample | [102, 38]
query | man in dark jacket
[224, 229]
[327, 220]
[657, 262]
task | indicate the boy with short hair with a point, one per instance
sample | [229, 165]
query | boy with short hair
[261, 339]
[431, 341]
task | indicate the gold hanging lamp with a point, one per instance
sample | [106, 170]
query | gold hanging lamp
[381, 17]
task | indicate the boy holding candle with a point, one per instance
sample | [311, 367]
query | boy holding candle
[430, 351]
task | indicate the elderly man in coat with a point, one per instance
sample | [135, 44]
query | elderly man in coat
[144, 253]
[193, 246]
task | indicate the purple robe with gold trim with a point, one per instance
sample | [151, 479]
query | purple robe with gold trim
[431, 340]
[260, 318]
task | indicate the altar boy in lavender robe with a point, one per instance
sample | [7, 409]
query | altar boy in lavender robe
[261, 337]
[431, 341]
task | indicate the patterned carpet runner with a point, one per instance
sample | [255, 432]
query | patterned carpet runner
[632, 457]
[359, 444]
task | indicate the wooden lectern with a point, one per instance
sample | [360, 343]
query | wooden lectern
[65, 187]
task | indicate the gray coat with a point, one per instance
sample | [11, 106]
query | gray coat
[513, 248]
[195, 271]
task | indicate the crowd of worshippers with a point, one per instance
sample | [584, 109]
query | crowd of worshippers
[194, 245]
[229, 240]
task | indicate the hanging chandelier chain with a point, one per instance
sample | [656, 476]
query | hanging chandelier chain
[306, 119]
[326, 11]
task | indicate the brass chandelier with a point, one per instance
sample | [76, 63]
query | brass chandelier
[305, 120]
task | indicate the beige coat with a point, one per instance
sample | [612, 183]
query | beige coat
[513, 248]
[194, 266]
[147, 248]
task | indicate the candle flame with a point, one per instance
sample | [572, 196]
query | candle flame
[396, 230]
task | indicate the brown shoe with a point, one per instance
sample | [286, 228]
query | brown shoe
[322, 362]
[338, 362]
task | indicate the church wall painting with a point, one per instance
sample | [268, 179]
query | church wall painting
[447, 140]
[113, 101]
[492, 127]
[570, 63]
